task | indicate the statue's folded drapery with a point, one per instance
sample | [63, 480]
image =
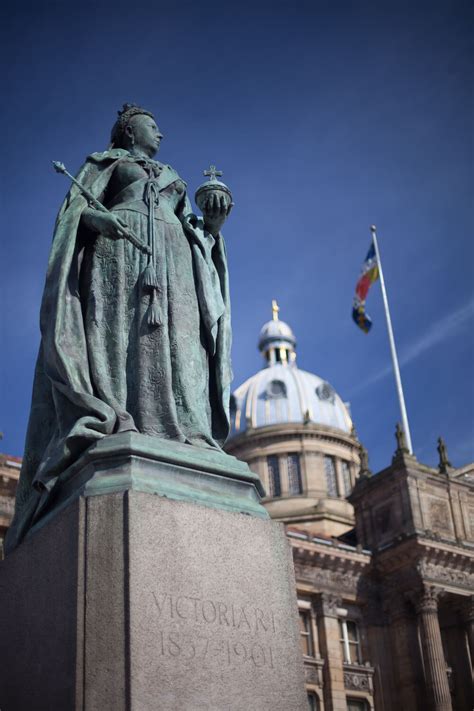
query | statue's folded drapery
[102, 368]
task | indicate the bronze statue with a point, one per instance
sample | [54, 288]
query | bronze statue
[135, 317]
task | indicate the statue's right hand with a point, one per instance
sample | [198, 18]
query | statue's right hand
[105, 223]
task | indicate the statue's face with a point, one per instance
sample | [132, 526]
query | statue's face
[146, 134]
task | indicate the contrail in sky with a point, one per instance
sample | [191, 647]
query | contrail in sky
[436, 333]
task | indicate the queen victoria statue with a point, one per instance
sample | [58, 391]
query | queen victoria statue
[128, 557]
[135, 321]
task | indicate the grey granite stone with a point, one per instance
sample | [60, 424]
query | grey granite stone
[150, 604]
[40, 618]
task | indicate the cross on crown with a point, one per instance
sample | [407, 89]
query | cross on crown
[213, 173]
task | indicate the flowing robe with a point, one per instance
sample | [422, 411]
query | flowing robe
[102, 369]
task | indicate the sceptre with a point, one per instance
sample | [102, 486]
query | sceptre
[61, 168]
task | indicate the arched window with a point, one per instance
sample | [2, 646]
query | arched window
[274, 484]
[331, 479]
[295, 485]
[346, 477]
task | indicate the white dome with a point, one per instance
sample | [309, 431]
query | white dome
[281, 393]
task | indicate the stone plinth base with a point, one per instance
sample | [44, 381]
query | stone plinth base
[129, 601]
[130, 460]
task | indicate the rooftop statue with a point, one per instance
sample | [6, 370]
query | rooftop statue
[444, 464]
[135, 317]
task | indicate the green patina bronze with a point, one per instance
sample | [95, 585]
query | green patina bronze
[135, 317]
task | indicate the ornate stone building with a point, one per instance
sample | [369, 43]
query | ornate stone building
[9, 474]
[386, 607]
[294, 430]
[384, 563]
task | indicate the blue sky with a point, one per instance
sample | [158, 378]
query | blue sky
[326, 117]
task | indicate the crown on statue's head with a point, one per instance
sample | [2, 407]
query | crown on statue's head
[124, 116]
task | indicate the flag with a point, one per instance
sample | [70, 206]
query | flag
[369, 274]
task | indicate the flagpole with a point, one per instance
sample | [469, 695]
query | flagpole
[391, 339]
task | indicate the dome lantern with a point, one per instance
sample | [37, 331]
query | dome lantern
[277, 342]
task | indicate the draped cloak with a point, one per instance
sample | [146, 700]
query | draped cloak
[101, 368]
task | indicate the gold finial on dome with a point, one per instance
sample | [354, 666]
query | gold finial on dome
[275, 309]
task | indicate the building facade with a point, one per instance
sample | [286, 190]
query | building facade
[384, 564]
[9, 475]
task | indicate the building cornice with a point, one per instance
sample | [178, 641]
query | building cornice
[410, 469]
[330, 552]
[275, 434]
[294, 519]
[414, 552]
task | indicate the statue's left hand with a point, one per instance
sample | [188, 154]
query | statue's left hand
[215, 210]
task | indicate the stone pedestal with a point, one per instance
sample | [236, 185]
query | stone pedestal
[130, 601]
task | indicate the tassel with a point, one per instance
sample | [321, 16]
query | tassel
[154, 312]
[149, 278]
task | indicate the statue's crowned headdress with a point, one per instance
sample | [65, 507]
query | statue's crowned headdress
[123, 120]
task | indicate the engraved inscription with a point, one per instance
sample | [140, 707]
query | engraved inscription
[172, 643]
[241, 617]
[183, 633]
